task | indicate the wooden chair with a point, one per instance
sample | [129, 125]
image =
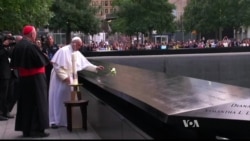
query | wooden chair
[76, 102]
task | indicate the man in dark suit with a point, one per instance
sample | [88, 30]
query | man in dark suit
[5, 75]
[13, 92]
[50, 48]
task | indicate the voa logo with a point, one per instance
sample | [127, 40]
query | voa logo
[191, 123]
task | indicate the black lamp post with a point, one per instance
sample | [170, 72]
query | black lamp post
[68, 32]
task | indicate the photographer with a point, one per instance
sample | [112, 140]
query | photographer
[6, 41]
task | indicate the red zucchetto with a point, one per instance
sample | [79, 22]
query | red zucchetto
[27, 29]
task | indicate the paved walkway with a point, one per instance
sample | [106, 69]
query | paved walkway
[7, 132]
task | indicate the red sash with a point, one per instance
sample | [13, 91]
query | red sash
[29, 72]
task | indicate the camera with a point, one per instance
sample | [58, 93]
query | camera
[4, 37]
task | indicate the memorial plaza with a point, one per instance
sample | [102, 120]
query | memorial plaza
[7, 132]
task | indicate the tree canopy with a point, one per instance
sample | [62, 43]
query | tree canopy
[215, 15]
[79, 14]
[134, 16]
[74, 15]
[16, 14]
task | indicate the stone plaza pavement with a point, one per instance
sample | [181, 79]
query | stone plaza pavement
[7, 132]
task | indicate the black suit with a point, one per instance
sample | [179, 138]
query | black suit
[13, 92]
[5, 72]
[5, 75]
[50, 51]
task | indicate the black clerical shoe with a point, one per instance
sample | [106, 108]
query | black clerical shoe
[2, 118]
[39, 134]
[26, 134]
[54, 126]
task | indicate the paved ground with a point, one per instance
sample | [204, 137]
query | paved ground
[7, 132]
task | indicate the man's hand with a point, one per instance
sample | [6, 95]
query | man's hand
[6, 43]
[67, 80]
[99, 68]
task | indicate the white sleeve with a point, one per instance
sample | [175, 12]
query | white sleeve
[91, 68]
[60, 72]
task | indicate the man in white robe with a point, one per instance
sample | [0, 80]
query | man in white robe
[61, 77]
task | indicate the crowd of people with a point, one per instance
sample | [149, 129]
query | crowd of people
[37, 78]
[171, 44]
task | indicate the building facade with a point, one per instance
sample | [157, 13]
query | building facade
[180, 5]
[105, 8]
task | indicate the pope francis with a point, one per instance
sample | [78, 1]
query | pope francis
[61, 77]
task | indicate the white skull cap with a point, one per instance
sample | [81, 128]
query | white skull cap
[76, 39]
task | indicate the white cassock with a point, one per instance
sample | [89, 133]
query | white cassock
[59, 91]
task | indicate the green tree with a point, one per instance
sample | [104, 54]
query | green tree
[206, 15]
[16, 14]
[134, 16]
[74, 15]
